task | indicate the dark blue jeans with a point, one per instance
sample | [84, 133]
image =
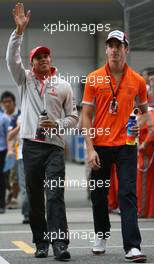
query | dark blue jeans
[45, 162]
[125, 158]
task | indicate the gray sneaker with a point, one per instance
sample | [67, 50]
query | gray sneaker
[99, 246]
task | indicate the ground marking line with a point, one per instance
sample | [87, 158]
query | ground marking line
[10, 249]
[20, 249]
[24, 246]
[143, 246]
[74, 230]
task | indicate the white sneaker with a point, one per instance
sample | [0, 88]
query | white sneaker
[99, 246]
[135, 255]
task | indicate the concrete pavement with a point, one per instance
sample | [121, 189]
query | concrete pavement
[15, 238]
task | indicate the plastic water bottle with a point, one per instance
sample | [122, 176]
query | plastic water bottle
[131, 139]
[40, 133]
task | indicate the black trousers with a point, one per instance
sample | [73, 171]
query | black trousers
[2, 178]
[125, 158]
[44, 167]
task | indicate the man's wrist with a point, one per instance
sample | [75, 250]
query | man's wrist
[56, 125]
[90, 147]
[19, 31]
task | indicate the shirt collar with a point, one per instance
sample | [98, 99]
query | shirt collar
[53, 71]
[109, 71]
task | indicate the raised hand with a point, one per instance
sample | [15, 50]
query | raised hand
[21, 19]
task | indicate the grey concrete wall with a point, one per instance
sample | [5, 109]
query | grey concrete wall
[141, 59]
[74, 54]
[137, 59]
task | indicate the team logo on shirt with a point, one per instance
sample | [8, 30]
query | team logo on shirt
[104, 90]
[52, 91]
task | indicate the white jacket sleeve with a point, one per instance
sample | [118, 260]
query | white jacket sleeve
[13, 58]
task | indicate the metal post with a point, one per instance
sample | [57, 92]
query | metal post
[127, 10]
[127, 28]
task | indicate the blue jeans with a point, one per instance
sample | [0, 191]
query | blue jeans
[125, 158]
[22, 186]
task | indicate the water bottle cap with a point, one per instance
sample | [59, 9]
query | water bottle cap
[136, 111]
[44, 113]
[132, 117]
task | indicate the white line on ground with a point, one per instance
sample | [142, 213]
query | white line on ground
[76, 247]
[3, 261]
[15, 232]
[143, 246]
[73, 230]
[10, 249]
[112, 229]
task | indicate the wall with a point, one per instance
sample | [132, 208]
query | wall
[73, 53]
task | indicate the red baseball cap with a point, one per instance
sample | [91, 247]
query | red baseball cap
[37, 50]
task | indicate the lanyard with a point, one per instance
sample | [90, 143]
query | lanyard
[42, 96]
[111, 86]
[44, 103]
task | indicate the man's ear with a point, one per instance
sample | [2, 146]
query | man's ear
[127, 50]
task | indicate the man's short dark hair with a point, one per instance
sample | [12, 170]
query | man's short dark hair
[148, 70]
[8, 94]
